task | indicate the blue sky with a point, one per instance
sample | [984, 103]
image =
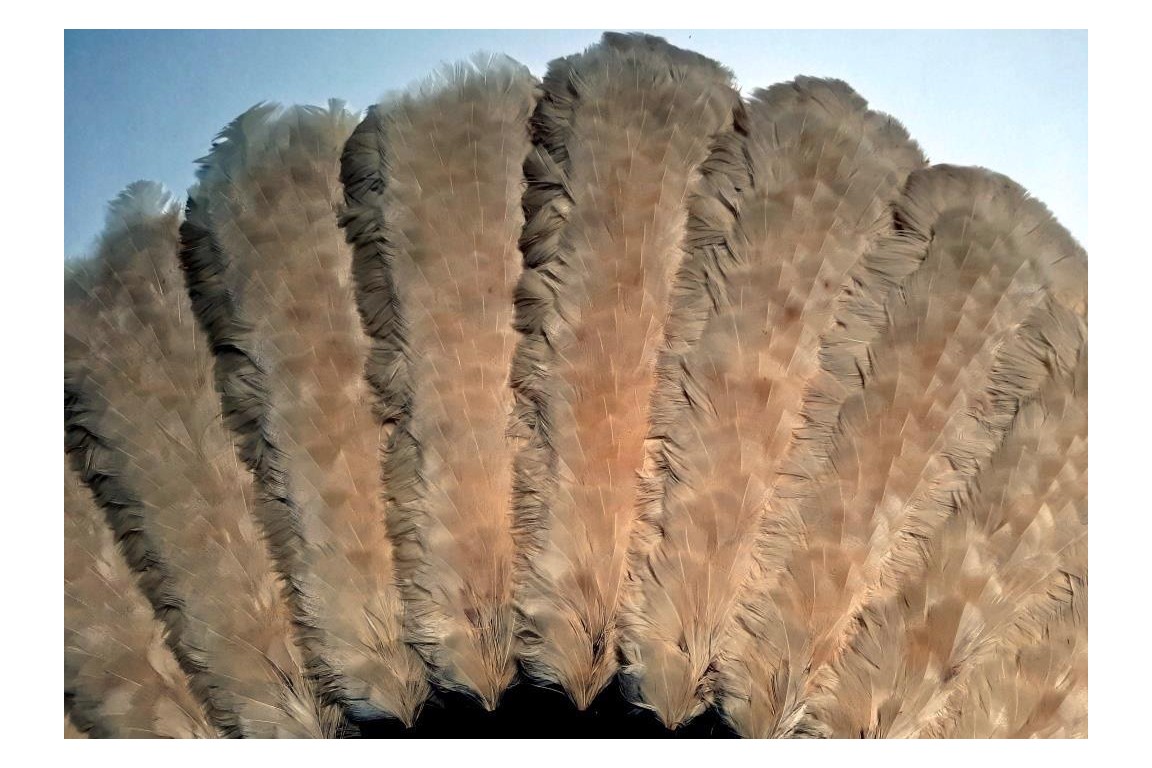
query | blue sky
[146, 104]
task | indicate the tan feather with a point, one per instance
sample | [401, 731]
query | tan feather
[820, 172]
[619, 134]
[120, 679]
[1028, 526]
[1035, 687]
[847, 518]
[134, 347]
[270, 278]
[455, 149]
[997, 570]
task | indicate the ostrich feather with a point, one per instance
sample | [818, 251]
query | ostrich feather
[1034, 687]
[1004, 564]
[120, 678]
[270, 279]
[1029, 518]
[619, 134]
[440, 363]
[779, 241]
[853, 505]
[135, 356]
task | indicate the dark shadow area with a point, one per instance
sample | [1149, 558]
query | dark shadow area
[533, 711]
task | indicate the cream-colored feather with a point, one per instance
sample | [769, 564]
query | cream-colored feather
[820, 172]
[847, 518]
[1005, 563]
[619, 135]
[1029, 519]
[432, 184]
[120, 679]
[137, 361]
[270, 278]
[1035, 686]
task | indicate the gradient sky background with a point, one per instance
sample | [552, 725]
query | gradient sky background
[146, 104]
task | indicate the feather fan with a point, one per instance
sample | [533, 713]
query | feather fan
[728, 409]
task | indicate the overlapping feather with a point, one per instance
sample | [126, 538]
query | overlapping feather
[863, 492]
[432, 185]
[120, 678]
[787, 211]
[139, 376]
[270, 279]
[619, 134]
[1006, 567]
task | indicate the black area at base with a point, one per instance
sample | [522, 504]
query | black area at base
[534, 712]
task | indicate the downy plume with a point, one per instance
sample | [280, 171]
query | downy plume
[432, 185]
[120, 678]
[139, 373]
[972, 258]
[1029, 518]
[785, 213]
[1034, 687]
[269, 276]
[618, 136]
[1003, 565]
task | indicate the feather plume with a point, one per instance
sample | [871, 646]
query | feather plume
[1028, 527]
[775, 241]
[269, 277]
[1004, 564]
[619, 134]
[135, 355]
[848, 515]
[120, 678]
[1035, 686]
[436, 299]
